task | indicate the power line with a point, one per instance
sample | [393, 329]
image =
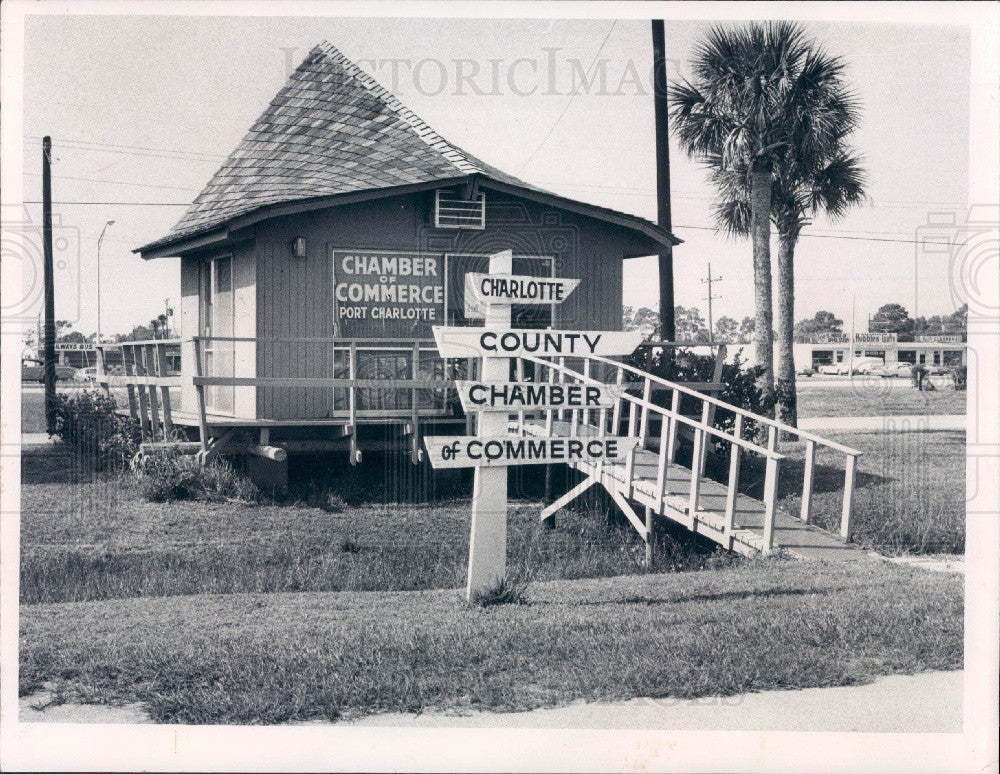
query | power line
[114, 204]
[113, 182]
[570, 101]
[829, 236]
[109, 146]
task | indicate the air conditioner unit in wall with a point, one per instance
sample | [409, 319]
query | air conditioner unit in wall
[451, 211]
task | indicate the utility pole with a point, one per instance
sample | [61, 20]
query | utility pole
[709, 280]
[50, 294]
[665, 258]
[99, 240]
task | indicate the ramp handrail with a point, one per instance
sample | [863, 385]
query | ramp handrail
[639, 409]
[775, 426]
[643, 381]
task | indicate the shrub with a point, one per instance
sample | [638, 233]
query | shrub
[959, 374]
[740, 384]
[168, 475]
[90, 425]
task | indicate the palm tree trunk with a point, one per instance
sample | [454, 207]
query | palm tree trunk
[785, 366]
[760, 233]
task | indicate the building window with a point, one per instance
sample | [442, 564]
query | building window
[907, 356]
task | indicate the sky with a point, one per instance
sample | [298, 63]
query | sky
[142, 110]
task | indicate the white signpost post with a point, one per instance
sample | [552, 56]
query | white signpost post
[490, 296]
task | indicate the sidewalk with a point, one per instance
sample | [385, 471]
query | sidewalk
[903, 423]
[928, 702]
[36, 439]
[923, 703]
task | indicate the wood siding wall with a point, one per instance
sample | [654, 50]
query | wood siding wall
[294, 297]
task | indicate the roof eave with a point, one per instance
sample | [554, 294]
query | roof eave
[651, 230]
[220, 234]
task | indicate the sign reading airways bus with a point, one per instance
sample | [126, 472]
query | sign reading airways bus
[488, 342]
[514, 396]
[481, 289]
[462, 451]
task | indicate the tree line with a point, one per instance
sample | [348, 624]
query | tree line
[890, 318]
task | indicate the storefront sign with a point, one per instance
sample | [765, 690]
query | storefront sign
[514, 396]
[487, 342]
[73, 346]
[481, 289]
[479, 452]
[387, 294]
[875, 338]
[941, 338]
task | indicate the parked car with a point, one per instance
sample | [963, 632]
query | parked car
[34, 371]
[893, 370]
[88, 374]
[867, 365]
[938, 370]
[834, 368]
[804, 371]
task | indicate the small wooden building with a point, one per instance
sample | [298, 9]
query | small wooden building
[339, 231]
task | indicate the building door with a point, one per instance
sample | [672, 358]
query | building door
[217, 325]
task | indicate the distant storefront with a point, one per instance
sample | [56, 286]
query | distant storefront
[938, 350]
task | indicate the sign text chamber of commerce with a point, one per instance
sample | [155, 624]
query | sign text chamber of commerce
[380, 293]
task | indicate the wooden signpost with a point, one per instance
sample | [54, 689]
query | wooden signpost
[490, 296]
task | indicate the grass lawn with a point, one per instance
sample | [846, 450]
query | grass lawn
[909, 493]
[874, 397]
[87, 536]
[273, 658]
[33, 411]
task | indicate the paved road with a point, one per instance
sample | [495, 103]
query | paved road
[904, 423]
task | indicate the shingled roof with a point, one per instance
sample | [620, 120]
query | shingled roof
[334, 130]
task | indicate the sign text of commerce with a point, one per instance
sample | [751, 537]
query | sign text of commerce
[472, 452]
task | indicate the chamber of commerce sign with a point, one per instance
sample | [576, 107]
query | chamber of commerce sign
[463, 451]
[387, 293]
[513, 396]
[486, 342]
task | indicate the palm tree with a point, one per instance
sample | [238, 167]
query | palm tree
[752, 105]
[797, 195]
[827, 179]
[155, 325]
[162, 320]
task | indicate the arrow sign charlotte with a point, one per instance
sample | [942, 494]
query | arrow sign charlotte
[481, 289]
[490, 342]
[506, 396]
[462, 451]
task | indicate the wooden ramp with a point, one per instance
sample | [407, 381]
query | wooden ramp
[652, 479]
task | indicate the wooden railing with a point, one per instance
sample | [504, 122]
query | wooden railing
[147, 376]
[352, 385]
[631, 417]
